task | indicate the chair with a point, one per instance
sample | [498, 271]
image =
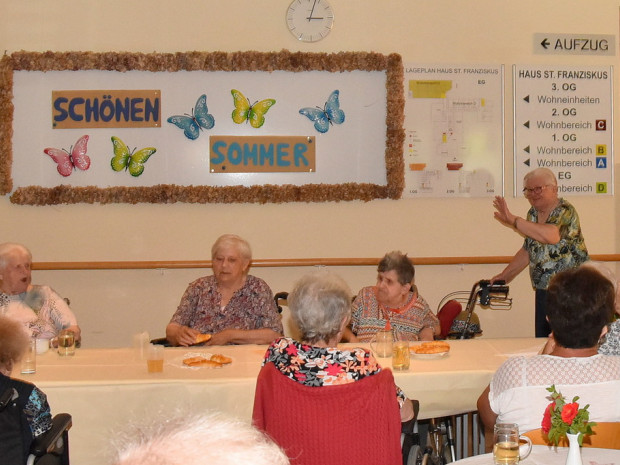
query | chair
[356, 423]
[606, 436]
[51, 448]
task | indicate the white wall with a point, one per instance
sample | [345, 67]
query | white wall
[111, 305]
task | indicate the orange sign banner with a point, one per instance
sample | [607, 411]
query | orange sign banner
[262, 154]
[106, 109]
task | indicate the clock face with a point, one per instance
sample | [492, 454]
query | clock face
[309, 20]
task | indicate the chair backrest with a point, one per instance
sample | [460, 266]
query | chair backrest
[13, 448]
[355, 423]
[446, 316]
[606, 436]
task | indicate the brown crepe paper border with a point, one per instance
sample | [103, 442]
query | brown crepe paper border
[208, 61]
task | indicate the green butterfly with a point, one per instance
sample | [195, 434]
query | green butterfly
[243, 111]
[124, 159]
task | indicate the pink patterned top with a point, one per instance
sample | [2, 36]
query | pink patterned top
[251, 307]
[369, 316]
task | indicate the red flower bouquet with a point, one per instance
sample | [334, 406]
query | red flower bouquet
[561, 418]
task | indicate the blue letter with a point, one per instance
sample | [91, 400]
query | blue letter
[232, 148]
[282, 153]
[299, 151]
[215, 149]
[62, 113]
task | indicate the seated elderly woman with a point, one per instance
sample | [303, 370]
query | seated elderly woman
[14, 341]
[579, 306]
[393, 302]
[320, 305]
[231, 306]
[39, 308]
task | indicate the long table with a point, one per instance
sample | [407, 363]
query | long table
[104, 389]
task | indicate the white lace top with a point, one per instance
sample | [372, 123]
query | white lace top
[518, 389]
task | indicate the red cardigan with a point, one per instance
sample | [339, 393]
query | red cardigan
[356, 423]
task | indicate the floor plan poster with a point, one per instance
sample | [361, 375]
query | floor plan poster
[454, 130]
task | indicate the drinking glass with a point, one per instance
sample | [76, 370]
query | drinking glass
[400, 355]
[66, 342]
[29, 359]
[155, 358]
[506, 447]
[381, 343]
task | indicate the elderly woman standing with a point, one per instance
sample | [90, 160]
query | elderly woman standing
[320, 305]
[553, 238]
[231, 305]
[13, 344]
[39, 308]
[394, 301]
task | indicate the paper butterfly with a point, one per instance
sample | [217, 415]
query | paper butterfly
[200, 118]
[75, 158]
[124, 159]
[255, 114]
[328, 115]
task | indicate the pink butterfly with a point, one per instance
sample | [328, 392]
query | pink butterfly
[75, 158]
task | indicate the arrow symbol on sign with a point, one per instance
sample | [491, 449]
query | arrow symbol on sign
[527, 99]
[527, 162]
[527, 149]
[545, 43]
[527, 124]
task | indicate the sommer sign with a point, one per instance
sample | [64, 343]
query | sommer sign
[262, 154]
[106, 109]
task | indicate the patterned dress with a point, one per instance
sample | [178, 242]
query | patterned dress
[369, 316]
[41, 310]
[319, 366]
[549, 259]
[611, 341]
[251, 307]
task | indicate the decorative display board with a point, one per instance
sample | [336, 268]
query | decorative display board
[200, 127]
[563, 121]
[454, 129]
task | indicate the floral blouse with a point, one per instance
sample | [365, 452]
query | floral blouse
[251, 307]
[549, 259]
[319, 366]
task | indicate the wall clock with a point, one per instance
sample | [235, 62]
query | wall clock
[310, 20]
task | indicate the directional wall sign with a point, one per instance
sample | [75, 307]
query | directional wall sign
[563, 121]
[575, 44]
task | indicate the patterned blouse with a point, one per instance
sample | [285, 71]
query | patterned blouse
[35, 407]
[251, 307]
[369, 316]
[319, 366]
[549, 259]
[41, 310]
[611, 341]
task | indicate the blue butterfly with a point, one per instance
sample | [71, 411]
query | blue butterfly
[329, 114]
[200, 118]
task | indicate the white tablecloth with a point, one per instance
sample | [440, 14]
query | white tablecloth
[544, 455]
[104, 388]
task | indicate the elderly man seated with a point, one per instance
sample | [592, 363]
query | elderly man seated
[39, 308]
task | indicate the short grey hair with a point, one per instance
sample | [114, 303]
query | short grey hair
[400, 263]
[7, 248]
[192, 439]
[319, 303]
[239, 243]
[545, 173]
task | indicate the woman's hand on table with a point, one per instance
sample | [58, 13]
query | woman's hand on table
[179, 335]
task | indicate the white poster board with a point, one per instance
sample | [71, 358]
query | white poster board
[564, 122]
[454, 130]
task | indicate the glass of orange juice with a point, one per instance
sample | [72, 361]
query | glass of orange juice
[155, 358]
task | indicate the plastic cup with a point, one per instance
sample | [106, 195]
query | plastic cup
[155, 359]
[29, 359]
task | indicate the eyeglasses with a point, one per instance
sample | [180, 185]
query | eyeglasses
[534, 190]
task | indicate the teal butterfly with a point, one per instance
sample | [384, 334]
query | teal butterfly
[200, 119]
[243, 111]
[328, 115]
[125, 160]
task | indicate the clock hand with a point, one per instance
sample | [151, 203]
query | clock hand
[311, 11]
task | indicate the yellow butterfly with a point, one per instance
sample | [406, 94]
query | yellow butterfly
[124, 159]
[243, 111]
